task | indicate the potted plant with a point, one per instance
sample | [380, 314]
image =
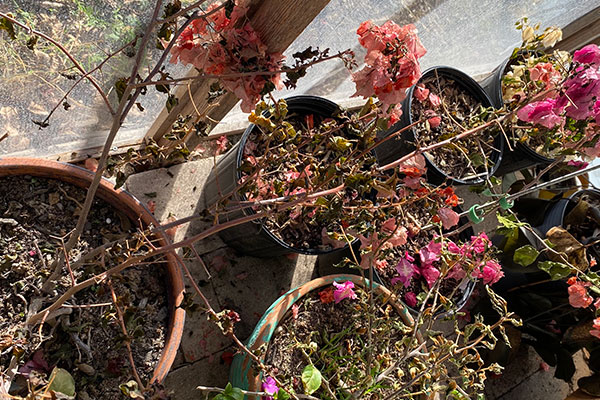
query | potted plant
[66, 354]
[341, 358]
[442, 104]
[299, 145]
[552, 94]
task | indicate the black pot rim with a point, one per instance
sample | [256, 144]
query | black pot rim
[291, 101]
[473, 87]
[524, 147]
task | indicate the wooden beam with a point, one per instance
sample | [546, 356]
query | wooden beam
[278, 23]
[582, 31]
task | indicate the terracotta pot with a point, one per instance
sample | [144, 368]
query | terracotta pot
[130, 206]
[242, 374]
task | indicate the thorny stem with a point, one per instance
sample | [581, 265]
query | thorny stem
[65, 52]
[340, 54]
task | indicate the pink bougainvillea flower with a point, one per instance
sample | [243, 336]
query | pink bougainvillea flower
[589, 54]
[414, 167]
[397, 236]
[545, 73]
[448, 217]
[391, 63]
[490, 272]
[430, 253]
[431, 274]
[343, 291]
[269, 386]
[381, 265]
[406, 270]
[596, 328]
[223, 47]
[542, 112]
[421, 93]
[222, 144]
[434, 122]
[578, 296]
[435, 100]
[295, 309]
[580, 92]
[411, 299]
[596, 111]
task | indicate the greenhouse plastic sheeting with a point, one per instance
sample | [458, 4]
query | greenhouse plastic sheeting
[474, 36]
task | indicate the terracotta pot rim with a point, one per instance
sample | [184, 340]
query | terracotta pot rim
[134, 209]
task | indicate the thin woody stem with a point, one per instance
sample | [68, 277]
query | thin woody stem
[69, 56]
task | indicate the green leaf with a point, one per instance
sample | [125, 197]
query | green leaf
[311, 378]
[230, 393]
[62, 382]
[8, 26]
[555, 269]
[282, 395]
[525, 255]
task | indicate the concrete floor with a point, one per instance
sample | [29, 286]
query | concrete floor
[249, 285]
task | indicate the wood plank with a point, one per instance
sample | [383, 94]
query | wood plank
[582, 31]
[278, 23]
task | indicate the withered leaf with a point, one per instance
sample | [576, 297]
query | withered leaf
[566, 243]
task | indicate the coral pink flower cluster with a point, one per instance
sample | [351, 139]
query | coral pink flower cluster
[578, 98]
[222, 46]
[392, 64]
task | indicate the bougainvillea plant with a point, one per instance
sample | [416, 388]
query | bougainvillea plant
[391, 65]
[555, 95]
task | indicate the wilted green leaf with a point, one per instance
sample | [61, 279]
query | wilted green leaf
[62, 382]
[555, 269]
[525, 255]
[8, 26]
[131, 390]
[172, 101]
[311, 378]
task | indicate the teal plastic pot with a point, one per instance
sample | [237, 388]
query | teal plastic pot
[243, 375]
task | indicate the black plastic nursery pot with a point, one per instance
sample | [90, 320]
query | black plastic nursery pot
[521, 156]
[405, 142]
[467, 287]
[253, 238]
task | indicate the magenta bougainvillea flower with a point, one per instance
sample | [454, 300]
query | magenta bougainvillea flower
[343, 291]
[269, 386]
[545, 113]
[430, 253]
[490, 272]
[406, 270]
[411, 299]
[589, 54]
